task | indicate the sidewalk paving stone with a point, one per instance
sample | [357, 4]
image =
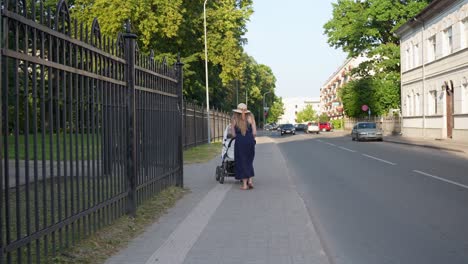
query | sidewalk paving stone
[269, 224]
[441, 144]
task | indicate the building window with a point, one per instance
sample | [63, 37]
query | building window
[432, 47]
[416, 55]
[464, 95]
[417, 105]
[408, 106]
[448, 42]
[408, 58]
[432, 102]
[464, 33]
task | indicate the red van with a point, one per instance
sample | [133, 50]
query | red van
[325, 126]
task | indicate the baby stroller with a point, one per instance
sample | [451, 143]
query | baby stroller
[226, 169]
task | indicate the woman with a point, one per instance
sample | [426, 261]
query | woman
[243, 128]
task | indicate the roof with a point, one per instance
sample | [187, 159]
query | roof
[433, 9]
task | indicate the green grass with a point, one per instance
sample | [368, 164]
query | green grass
[93, 248]
[21, 197]
[63, 140]
[202, 153]
[109, 240]
[106, 241]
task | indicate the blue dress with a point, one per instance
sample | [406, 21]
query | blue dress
[244, 153]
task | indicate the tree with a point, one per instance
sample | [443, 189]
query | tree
[307, 114]
[377, 94]
[275, 111]
[323, 118]
[172, 27]
[361, 26]
[367, 27]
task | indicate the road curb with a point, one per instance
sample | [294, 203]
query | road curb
[390, 140]
[423, 145]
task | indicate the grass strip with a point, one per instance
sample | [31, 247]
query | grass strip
[75, 141]
[202, 153]
[106, 242]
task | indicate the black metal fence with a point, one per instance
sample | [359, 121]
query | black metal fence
[90, 128]
[196, 127]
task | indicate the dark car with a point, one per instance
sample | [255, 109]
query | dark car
[366, 131]
[301, 127]
[288, 129]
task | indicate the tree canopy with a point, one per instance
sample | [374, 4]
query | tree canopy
[307, 114]
[275, 111]
[367, 28]
[176, 26]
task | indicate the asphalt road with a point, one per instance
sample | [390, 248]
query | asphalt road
[378, 202]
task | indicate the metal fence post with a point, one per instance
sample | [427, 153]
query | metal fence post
[195, 140]
[2, 32]
[130, 40]
[180, 79]
[185, 123]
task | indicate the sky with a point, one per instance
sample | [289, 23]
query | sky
[288, 37]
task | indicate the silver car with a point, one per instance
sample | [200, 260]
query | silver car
[366, 131]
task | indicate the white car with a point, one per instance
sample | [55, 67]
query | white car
[312, 127]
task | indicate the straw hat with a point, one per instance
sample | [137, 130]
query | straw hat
[241, 108]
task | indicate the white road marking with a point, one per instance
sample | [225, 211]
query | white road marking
[347, 149]
[385, 161]
[331, 144]
[319, 140]
[175, 248]
[440, 179]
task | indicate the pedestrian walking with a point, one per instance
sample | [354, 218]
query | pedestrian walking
[244, 129]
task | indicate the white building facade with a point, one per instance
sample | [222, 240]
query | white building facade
[329, 101]
[434, 71]
[292, 106]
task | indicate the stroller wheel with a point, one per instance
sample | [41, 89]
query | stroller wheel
[221, 179]
[218, 172]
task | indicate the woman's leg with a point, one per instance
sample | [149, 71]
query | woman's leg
[244, 184]
[250, 183]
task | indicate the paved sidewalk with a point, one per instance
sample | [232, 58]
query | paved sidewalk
[217, 223]
[441, 144]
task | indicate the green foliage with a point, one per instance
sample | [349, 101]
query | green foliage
[379, 95]
[170, 27]
[367, 27]
[276, 110]
[308, 114]
[361, 26]
[337, 124]
[151, 19]
[323, 117]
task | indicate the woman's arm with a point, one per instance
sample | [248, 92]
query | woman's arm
[233, 129]
[254, 126]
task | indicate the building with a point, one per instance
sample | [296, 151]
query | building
[292, 106]
[329, 101]
[434, 71]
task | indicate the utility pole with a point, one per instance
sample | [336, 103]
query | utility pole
[264, 108]
[206, 75]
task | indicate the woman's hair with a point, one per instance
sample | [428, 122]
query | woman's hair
[240, 123]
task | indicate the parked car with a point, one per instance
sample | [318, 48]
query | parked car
[312, 127]
[268, 127]
[288, 129]
[301, 127]
[366, 131]
[325, 126]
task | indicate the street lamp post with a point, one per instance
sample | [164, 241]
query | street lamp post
[264, 107]
[206, 74]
